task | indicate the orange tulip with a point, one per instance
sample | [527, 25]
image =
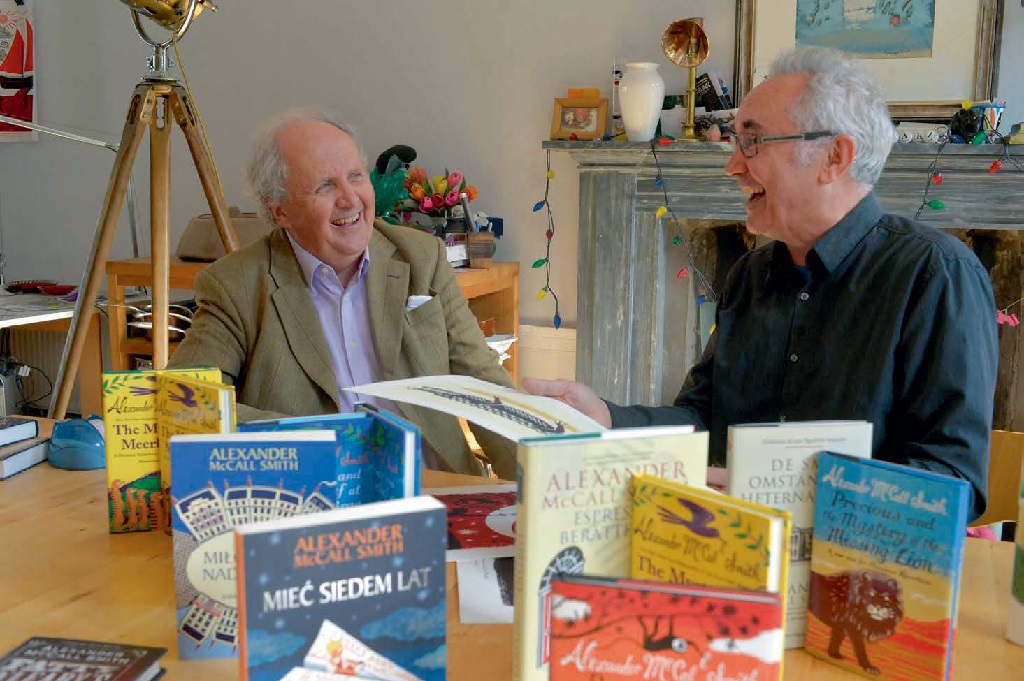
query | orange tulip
[416, 192]
[471, 193]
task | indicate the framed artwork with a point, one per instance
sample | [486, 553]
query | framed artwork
[928, 55]
[17, 69]
[584, 118]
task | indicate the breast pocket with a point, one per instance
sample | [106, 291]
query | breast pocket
[425, 341]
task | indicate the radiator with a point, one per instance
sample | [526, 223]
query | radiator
[42, 350]
[546, 352]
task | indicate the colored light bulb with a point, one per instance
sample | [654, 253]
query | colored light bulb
[935, 204]
[539, 263]
[551, 174]
[573, 137]
[665, 141]
[661, 211]
[996, 166]
[701, 299]
[677, 240]
[937, 178]
[659, 183]
[537, 206]
[558, 321]
[682, 273]
[541, 293]
[550, 233]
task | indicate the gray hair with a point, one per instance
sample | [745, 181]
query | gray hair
[841, 96]
[266, 171]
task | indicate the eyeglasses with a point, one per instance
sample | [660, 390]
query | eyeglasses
[748, 141]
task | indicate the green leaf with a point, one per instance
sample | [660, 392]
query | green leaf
[741, 535]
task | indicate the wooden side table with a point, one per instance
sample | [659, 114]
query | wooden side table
[492, 293]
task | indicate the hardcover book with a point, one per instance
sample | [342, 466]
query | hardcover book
[22, 455]
[481, 520]
[691, 535]
[224, 480]
[1015, 621]
[357, 591]
[136, 501]
[609, 628]
[186, 405]
[885, 568]
[776, 464]
[15, 429]
[378, 452]
[572, 515]
[57, 659]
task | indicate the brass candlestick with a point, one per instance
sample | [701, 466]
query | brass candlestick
[686, 45]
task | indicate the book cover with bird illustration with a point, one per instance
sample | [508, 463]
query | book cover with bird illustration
[135, 497]
[609, 628]
[378, 452]
[572, 516]
[690, 535]
[357, 592]
[885, 568]
[223, 480]
[188, 404]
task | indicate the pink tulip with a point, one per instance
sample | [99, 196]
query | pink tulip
[451, 198]
[454, 179]
[426, 204]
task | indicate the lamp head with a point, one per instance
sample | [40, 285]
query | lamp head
[170, 14]
[685, 43]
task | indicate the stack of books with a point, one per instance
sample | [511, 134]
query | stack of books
[20, 445]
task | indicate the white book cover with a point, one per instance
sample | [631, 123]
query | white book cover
[776, 464]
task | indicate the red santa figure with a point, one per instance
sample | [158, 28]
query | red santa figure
[16, 64]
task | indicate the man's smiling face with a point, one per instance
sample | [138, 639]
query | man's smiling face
[329, 204]
[781, 190]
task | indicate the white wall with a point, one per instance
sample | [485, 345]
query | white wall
[468, 83]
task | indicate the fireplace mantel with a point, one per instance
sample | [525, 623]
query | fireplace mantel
[635, 337]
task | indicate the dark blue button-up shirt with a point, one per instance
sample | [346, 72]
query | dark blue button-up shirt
[891, 322]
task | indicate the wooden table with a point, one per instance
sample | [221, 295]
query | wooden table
[492, 293]
[63, 575]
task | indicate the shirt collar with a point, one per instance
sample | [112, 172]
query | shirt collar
[837, 243]
[310, 264]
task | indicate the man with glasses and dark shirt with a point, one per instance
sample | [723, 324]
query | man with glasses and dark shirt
[850, 313]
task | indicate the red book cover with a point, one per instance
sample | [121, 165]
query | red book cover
[481, 520]
[613, 629]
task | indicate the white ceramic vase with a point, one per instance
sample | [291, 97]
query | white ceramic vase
[641, 93]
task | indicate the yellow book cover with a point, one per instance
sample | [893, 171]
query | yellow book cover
[187, 404]
[134, 497]
[692, 535]
[572, 516]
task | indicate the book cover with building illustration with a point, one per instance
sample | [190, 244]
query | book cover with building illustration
[618, 629]
[572, 515]
[221, 481]
[358, 590]
[378, 452]
[885, 568]
[136, 501]
[776, 464]
[67, 659]
[691, 535]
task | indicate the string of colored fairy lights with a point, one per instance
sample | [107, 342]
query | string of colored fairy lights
[549, 235]
[680, 238]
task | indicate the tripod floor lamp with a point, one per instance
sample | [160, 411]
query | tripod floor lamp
[156, 101]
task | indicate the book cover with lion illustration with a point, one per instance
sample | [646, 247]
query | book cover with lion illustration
[608, 628]
[885, 568]
[572, 516]
[135, 496]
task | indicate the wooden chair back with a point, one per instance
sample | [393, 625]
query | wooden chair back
[1004, 478]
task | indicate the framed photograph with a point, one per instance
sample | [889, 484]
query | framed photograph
[584, 118]
[17, 69]
[928, 55]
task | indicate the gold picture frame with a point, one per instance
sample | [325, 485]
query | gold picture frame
[752, 14]
[584, 118]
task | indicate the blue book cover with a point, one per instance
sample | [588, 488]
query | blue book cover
[886, 558]
[219, 481]
[378, 452]
[357, 591]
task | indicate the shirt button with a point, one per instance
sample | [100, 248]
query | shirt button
[804, 295]
[793, 358]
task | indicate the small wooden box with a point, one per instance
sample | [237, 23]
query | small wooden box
[481, 249]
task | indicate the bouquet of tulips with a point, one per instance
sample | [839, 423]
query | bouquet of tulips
[437, 197]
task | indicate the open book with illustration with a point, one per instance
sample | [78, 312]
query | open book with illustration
[506, 411]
